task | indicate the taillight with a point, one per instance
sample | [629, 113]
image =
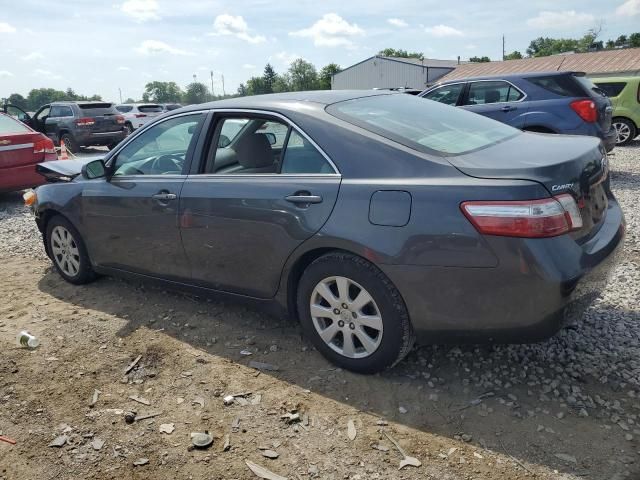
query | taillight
[119, 119]
[44, 146]
[529, 219]
[586, 110]
[85, 122]
[140, 115]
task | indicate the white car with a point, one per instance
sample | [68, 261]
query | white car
[138, 114]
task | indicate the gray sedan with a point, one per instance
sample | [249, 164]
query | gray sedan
[371, 217]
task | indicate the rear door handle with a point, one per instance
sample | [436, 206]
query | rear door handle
[301, 199]
[164, 196]
[507, 108]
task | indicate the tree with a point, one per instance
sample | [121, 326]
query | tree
[324, 78]
[196, 92]
[129, 100]
[480, 59]
[162, 92]
[18, 100]
[515, 55]
[269, 77]
[610, 44]
[303, 75]
[621, 41]
[282, 83]
[242, 90]
[634, 39]
[258, 86]
[41, 96]
[399, 53]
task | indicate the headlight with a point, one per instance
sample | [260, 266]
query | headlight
[30, 198]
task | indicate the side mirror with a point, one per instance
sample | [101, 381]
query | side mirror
[95, 169]
[271, 137]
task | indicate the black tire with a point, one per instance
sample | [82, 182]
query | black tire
[85, 273]
[397, 333]
[70, 143]
[633, 131]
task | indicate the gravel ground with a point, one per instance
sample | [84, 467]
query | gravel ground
[568, 407]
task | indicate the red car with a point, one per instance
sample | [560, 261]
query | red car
[21, 148]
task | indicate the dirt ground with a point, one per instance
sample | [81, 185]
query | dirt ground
[464, 412]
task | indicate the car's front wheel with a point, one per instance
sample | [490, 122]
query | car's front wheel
[68, 252]
[353, 314]
[625, 130]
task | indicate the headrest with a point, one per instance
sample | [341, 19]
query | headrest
[254, 151]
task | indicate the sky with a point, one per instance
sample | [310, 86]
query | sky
[106, 47]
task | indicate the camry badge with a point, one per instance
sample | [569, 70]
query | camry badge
[565, 186]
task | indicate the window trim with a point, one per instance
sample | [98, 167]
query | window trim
[286, 120]
[471, 82]
[113, 158]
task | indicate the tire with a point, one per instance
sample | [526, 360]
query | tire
[625, 130]
[70, 143]
[68, 252]
[387, 341]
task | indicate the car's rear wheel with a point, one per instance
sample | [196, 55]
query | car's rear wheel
[68, 251]
[70, 143]
[625, 130]
[129, 128]
[353, 314]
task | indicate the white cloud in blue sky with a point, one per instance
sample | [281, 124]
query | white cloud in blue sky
[97, 46]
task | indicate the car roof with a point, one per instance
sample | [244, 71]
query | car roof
[289, 100]
[615, 79]
[76, 102]
[512, 76]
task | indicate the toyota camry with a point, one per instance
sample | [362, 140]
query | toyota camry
[371, 217]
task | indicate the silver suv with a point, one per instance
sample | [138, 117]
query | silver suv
[138, 114]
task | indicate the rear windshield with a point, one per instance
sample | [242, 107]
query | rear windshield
[10, 125]
[97, 109]
[564, 85]
[422, 124]
[124, 108]
[150, 108]
[612, 89]
[589, 86]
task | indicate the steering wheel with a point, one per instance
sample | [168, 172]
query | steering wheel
[167, 164]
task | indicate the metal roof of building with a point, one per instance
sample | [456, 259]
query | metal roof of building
[606, 61]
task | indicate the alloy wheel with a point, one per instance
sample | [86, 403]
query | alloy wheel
[623, 132]
[65, 251]
[346, 317]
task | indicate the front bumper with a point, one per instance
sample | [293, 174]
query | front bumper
[539, 285]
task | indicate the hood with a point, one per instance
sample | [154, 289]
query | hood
[63, 170]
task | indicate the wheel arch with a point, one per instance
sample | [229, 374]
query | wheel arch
[622, 117]
[43, 220]
[538, 129]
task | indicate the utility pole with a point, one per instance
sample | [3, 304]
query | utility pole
[194, 78]
[120, 91]
[212, 94]
[503, 52]
[224, 94]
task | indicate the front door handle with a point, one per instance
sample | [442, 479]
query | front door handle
[301, 198]
[164, 196]
[508, 108]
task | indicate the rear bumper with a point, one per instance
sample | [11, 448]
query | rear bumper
[609, 139]
[538, 286]
[19, 178]
[100, 138]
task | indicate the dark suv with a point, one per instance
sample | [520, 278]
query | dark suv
[80, 124]
[547, 102]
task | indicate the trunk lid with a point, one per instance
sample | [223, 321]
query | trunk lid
[16, 149]
[563, 164]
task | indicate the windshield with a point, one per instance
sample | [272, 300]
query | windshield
[422, 124]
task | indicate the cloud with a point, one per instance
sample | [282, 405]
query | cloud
[560, 20]
[397, 22]
[32, 56]
[470, 46]
[141, 10]
[330, 31]
[443, 31]
[123, 69]
[287, 58]
[249, 66]
[629, 8]
[39, 72]
[149, 47]
[6, 28]
[229, 25]
[5, 73]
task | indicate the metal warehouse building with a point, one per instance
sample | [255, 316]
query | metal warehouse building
[392, 72]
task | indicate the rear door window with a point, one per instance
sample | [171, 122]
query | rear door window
[447, 94]
[482, 93]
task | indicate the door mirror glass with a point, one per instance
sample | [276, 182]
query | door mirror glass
[94, 169]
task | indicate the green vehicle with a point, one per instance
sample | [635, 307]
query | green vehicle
[624, 93]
